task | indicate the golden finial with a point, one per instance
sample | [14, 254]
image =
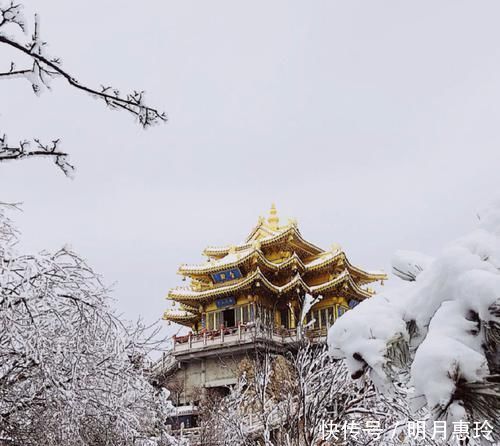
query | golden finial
[273, 219]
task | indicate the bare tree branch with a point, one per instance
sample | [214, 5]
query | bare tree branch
[43, 70]
[23, 150]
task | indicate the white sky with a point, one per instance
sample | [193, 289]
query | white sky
[375, 124]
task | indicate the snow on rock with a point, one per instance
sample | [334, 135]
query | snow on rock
[441, 321]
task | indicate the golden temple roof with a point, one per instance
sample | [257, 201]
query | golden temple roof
[275, 260]
[180, 316]
[267, 233]
[239, 258]
[187, 294]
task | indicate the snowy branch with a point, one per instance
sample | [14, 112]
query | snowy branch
[23, 149]
[71, 371]
[407, 265]
[287, 400]
[44, 69]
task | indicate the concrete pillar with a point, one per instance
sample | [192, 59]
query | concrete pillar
[203, 373]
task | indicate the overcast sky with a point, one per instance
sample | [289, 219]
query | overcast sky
[374, 123]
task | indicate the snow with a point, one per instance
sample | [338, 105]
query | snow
[375, 323]
[309, 301]
[447, 347]
[323, 258]
[226, 260]
[249, 244]
[12, 14]
[179, 313]
[407, 265]
[440, 316]
[244, 253]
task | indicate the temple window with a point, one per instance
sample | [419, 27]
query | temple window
[285, 318]
[331, 315]
[217, 320]
[230, 317]
[323, 317]
[317, 321]
[245, 313]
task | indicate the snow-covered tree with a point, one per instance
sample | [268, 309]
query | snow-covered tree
[40, 71]
[305, 398]
[438, 334]
[71, 371]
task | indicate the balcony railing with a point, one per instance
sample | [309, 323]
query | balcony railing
[242, 334]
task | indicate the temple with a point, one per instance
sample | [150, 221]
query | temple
[266, 293]
[267, 278]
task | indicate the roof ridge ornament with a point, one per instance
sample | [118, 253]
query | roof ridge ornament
[335, 247]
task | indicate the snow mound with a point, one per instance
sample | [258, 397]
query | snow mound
[440, 330]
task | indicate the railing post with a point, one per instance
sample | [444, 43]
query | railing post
[239, 330]
[175, 340]
[222, 334]
[190, 340]
[205, 338]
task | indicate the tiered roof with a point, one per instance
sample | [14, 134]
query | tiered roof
[274, 259]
